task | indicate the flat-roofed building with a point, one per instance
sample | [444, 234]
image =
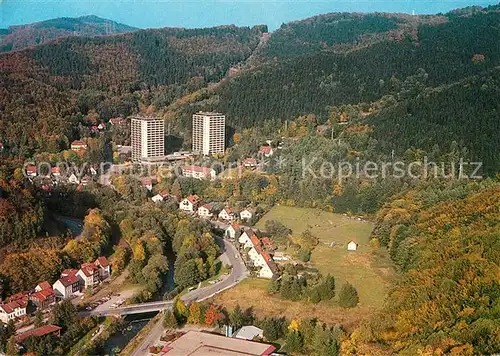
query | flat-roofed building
[148, 138]
[209, 133]
[197, 343]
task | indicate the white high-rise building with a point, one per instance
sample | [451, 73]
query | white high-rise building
[209, 133]
[148, 138]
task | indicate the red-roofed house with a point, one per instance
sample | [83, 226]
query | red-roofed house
[43, 286]
[78, 145]
[190, 203]
[198, 172]
[250, 162]
[246, 238]
[206, 211]
[12, 310]
[43, 298]
[39, 332]
[66, 286]
[31, 171]
[246, 214]
[117, 121]
[147, 183]
[89, 275]
[228, 214]
[104, 267]
[266, 151]
[55, 171]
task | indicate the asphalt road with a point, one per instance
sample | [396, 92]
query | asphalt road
[239, 272]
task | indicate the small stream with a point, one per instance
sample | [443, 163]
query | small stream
[121, 338]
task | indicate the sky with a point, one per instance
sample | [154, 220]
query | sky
[206, 13]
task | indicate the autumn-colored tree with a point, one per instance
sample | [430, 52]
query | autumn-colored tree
[194, 313]
[212, 316]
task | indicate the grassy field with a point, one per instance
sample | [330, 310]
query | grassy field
[368, 270]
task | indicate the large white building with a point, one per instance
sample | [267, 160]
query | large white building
[148, 138]
[209, 133]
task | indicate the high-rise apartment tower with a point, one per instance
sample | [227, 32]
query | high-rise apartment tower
[148, 138]
[209, 133]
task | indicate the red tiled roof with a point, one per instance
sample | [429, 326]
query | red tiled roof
[102, 261]
[78, 143]
[41, 331]
[236, 226]
[43, 295]
[116, 120]
[31, 169]
[255, 240]
[199, 169]
[11, 306]
[69, 272]
[55, 169]
[265, 149]
[44, 285]
[194, 199]
[208, 206]
[88, 269]
[69, 280]
[250, 162]
[267, 241]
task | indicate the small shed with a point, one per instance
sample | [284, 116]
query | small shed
[352, 246]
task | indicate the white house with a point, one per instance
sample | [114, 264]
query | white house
[31, 170]
[232, 231]
[246, 214]
[66, 286]
[190, 203]
[249, 163]
[78, 145]
[73, 179]
[199, 172]
[255, 255]
[206, 211]
[352, 246]
[267, 271]
[89, 275]
[249, 332]
[157, 198]
[104, 267]
[12, 310]
[248, 239]
[228, 215]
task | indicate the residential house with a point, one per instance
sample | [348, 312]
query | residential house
[352, 246]
[158, 198]
[266, 241]
[206, 211]
[31, 171]
[250, 163]
[12, 310]
[199, 172]
[269, 270]
[228, 214]
[233, 231]
[73, 179]
[55, 171]
[89, 275]
[190, 203]
[249, 332]
[147, 183]
[66, 286]
[266, 151]
[104, 267]
[116, 121]
[280, 256]
[94, 129]
[245, 238]
[43, 298]
[78, 145]
[86, 180]
[246, 214]
[101, 126]
[38, 332]
[255, 255]
[43, 286]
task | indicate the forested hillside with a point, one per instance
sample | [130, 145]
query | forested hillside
[21, 36]
[445, 240]
[47, 91]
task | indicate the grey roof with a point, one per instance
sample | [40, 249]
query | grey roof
[248, 332]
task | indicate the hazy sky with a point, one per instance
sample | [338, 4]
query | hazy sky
[203, 13]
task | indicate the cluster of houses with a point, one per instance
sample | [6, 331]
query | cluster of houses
[256, 249]
[70, 283]
[192, 204]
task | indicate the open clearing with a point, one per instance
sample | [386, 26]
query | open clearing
[370, 271]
